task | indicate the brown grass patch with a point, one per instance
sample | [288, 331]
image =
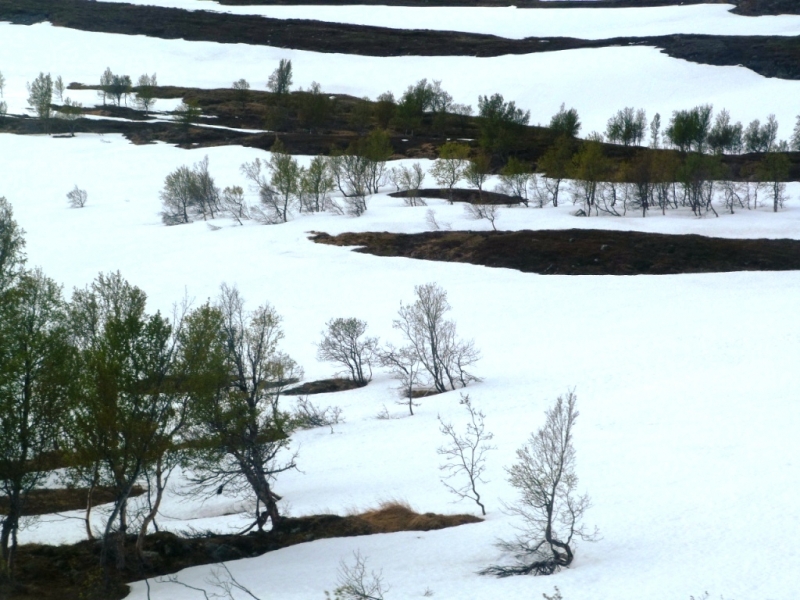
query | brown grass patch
[73, 573]
[393, 516]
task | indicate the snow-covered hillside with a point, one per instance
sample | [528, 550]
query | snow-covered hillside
[687, 384]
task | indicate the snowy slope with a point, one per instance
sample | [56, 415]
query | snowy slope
[597, 82]
[587, 23]
[687, 384]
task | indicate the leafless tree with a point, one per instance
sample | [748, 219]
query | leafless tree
[343, 342]
[222, 584]
[355, 583]
[410, 180]
[233, 203]
[433, 223]
[433, 339]
[405, 367]
[489, 212]
[550, 508]
[308, 415]
[145, 96]
[77, 197]
[465, 454]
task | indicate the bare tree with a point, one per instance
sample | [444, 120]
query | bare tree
[355, 583]
[146, 92]
[77, 197]
[190, 192]
[70, 112]
[465, 454]
[241, 90]
[343, 342]
[58, 88]
[280, 193]
[410, 180]
[450, 168]
[550, 508]
[234, 204]
[406, 369]
[2, 84]
[433, 339]
[489, 212]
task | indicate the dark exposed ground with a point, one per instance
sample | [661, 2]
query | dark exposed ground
[71, 572]
[745, 7]
[581, 251]
[323, 386]
[45, 501]
[769, 56]
[336, 132]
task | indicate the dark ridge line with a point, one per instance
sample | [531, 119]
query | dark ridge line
[770, 56]
[749, 8]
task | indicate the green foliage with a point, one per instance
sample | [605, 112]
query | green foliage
[125, 378]
[36, 374]
[187, 113]
[12, 246]
[501, 123]
[565, 122]
[40, 97]
[281, 78]
[725, 137]
[315, 107]
[385, 109]
[689, 129]
[627, 127]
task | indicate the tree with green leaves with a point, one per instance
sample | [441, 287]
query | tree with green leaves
[315, 107]
[385, 109]
[590, 168]
[240, 435]
[555, 165]
[697, 175]
[627, 127]
[514, 179]
[37, 368]
[281, 78]
[689, 129]
[316, 184]
[477, 171]
[565, 122]
[40, 98]
[451, 166]
[187, 113]
[761, 138]
[12, 246]
[501, 123]
[773, 170]
[106, 79]
[126, 379]
[725, 137]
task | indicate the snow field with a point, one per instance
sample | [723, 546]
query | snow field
[511, 22]
[687, 384]
[597, 82]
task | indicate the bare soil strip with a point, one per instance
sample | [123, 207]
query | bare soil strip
[581, 251]
[71, 572]
[771, 56]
